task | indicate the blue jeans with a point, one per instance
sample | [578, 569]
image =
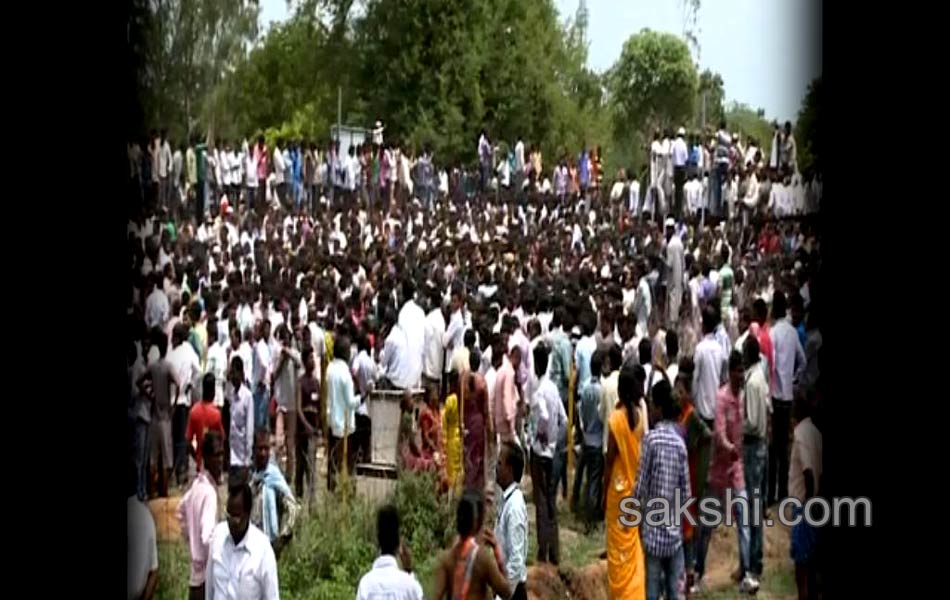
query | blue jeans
[755, 464]
[666, 576]
[261, 401]
[140, 448]
[742, 533]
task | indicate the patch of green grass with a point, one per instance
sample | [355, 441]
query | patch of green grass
[173, 571]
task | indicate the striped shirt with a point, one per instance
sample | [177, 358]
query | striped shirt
[663, 470]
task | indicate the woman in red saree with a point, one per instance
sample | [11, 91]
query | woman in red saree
[474, 420]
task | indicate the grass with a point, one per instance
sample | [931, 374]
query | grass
[334, 546]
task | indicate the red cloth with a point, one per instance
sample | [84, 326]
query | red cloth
[761, 333]
[204, 417]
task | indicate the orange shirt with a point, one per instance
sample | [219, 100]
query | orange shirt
[204, 417]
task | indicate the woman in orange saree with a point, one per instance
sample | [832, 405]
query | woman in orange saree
[626, 572]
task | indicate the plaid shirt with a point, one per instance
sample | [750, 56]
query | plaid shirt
[663, 469]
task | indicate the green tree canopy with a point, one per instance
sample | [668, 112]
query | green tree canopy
[653, 84]
[808, 130]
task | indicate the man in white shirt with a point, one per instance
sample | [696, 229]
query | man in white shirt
[187, 368]
[386, 580]
[241, 429]
[789, 363]
[675, 265]
[164, 169]
[261, 375]
[434, 349]
[511, 528]
[242, 565]
[251, 158]
[342, 403]
[517, 180]
[279, 167]
[453, 336]
[680, 156]
[217, 362]
[710, 369]
[156, 304]
[695, 199]
[547, 417]
[412, 320]
[395, 364]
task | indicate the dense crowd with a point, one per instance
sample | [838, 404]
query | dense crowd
[668, 333]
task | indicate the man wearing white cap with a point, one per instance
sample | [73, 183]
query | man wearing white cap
[680, 157]
[675, 266]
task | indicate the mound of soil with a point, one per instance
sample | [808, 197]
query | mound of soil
[586, 583]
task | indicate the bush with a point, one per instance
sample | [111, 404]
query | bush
[426, 518]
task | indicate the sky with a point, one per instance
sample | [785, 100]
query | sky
[767, 51]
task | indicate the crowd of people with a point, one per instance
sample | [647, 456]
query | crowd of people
[669, 336]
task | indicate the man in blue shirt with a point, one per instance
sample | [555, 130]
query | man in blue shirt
[592, 456]
[583, 170]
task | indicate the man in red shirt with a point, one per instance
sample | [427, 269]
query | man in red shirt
[204, 417]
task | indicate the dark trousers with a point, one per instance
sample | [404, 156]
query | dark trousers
[778, 450]
[754, 460]
[226, 423]
[306, 462]
[179, 445]
[335, 463]
[196, 592]
[200, 190]
[140, 448]
[545, 504]
[679, 181]
[519, 593]
[590, 502]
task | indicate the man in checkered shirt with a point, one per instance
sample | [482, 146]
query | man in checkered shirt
[663, 469]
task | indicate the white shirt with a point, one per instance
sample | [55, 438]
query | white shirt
[388, 582]
[262, 364]
[278, 166]
[250, 168]
[695, 199]
[454, 334]
[789, 358]
[707, 376]
[519, 157]
[396, 362]
[680, 152]
[217, 365]
[142, 555]
[634, 199]
[434, 355]
[241, 434]
[547, 414]
[412, 320]
[156, 309]
[511, 531]
[246, 571]
[187, 367]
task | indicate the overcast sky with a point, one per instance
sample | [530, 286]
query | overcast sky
[767, 51]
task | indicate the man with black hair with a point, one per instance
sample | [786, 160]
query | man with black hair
[663, 470]
[710, 368]
[434, 347]
[184, 361]
[756, 406]
[412, 320]
[242, 564]
[592, 455]
[275, 508]
[204, 417]
[725, 472]
[342, 403]
[585, 347]
[547, 418]
[386, 579]
[241, 427]
[788, 366]
[198, 512]
[511, 527]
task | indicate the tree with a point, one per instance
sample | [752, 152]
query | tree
[189, 47]
[710, 87]
[653, 83]
[808, 129]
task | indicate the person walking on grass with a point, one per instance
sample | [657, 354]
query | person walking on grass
[726, 473]
[664, 470]
[592, 455]
[756, 407]
[511, 527]
[204, 417]
[198, 512]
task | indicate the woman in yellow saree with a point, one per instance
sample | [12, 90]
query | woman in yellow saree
[452, 430]
[626, 571]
